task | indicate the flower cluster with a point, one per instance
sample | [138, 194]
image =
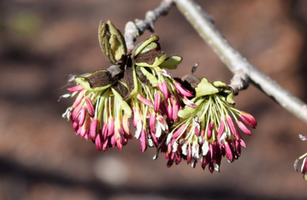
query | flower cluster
[304, 163]
[99, 113]
[205, 133]
[186, 120]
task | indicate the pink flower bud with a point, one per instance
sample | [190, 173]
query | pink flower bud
[210, 128]
[221, 129]
[144, 100]
[180, 131]
[182, 91]
[157, 101]
[110, 126]
[90, 106]
[98, 142]
[152, 122]
[248, 119]
[75, 88]
[243, 128]
[143, 141]
[78, 99]
[93, 128]
[228, 150]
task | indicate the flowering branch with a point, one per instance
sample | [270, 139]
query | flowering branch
[135, 29]
[242, 69]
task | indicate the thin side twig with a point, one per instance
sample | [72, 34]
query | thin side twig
[136, 29]
[240, 67]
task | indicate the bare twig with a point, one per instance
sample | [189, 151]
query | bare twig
[134, 30]
[237, 63]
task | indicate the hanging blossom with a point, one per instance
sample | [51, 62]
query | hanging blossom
[134, 86]
[304, 162]
[208, 132]
[156, 97]
[168, 113]
[99, 112]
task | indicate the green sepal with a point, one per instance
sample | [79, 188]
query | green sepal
[219, 84]
[171, 62]
[86, 85]
[134, 92]
[123, 103]
[112, 42]
[149, 47]
[145, 43]
[152, 79]
[157, 62]
[229, 99]
[205, 88]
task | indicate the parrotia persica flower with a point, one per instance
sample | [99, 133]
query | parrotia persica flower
[304, 163]
[195, 121]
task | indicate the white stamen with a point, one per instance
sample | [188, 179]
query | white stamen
[193, 163]
[175, 147]
[205, 148]
[303, 138]
[158, 130]
[216, 167]
[138, 130]
[163, 72]
[169, 138]
[195, 150]
[150, 142]
[223, 137]
[184, 149]
[67, 113]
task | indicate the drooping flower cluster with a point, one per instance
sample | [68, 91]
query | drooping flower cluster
[193, 121]
[207, 132]
[99, 113]
[304, 162]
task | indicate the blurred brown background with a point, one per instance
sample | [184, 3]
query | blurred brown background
[42, 42]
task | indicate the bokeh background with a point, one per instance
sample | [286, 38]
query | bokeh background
[42, 42]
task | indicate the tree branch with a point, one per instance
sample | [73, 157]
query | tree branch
[134, 30]
[242, 69]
